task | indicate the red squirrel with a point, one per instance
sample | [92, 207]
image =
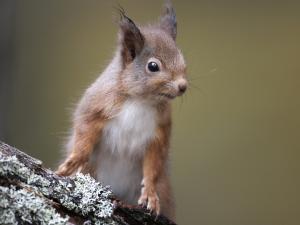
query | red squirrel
[121, 127]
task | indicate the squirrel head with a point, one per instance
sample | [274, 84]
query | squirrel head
[152, 65]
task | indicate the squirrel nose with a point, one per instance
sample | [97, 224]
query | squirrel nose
[182, 88]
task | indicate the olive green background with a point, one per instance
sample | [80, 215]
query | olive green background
[235, 145]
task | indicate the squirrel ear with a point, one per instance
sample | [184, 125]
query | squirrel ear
[131, 38]
[168, 20]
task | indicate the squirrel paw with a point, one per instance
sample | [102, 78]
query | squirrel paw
[67, 168]
[151, 200]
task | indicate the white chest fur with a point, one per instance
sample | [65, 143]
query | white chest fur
[131, 130]
[123, 143]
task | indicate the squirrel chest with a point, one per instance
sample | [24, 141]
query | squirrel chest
[121, 126]
[123, 144]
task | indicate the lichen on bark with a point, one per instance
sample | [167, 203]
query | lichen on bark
[81, 193]
[32, 194]
[19, 206]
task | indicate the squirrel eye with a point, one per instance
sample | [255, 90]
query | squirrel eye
[153, 67]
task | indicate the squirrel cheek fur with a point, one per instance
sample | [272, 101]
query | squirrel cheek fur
[122, 125]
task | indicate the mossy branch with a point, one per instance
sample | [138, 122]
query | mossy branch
[31, 194]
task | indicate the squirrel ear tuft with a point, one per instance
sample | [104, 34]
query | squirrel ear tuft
[131, 38]
[168, 19]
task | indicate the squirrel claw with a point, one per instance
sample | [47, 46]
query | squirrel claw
[150, 200]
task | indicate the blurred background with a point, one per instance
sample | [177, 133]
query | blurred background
[236, 137]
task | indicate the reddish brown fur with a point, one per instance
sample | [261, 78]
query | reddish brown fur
[90, 117]
[156, 182]
[126, 78]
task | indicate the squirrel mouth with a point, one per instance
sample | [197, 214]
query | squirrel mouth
[169, 96]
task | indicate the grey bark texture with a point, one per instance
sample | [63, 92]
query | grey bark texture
[32, 194]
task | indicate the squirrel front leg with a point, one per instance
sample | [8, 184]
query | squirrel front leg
[86, 135]
[154, 167]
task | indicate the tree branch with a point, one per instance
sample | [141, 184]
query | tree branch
[32, 194]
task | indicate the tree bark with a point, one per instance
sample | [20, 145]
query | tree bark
[32, 194]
